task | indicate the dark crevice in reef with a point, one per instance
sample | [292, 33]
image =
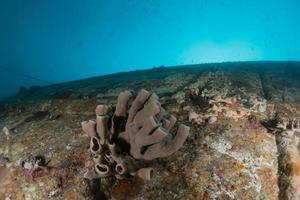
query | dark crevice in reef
[195, 78]
[38, 116]
[283, 169]
[97, 194]
[266, 91]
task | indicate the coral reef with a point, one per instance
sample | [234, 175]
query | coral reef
[228, 154]
[290, 157]
[121, 143]
[217, 97]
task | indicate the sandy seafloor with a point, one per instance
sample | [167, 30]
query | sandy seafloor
[234, 151]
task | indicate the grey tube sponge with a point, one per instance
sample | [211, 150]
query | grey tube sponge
[91, 174]
[146, 135]
[89, 127]
[121, 108]
[101, 110]
[103, 170]
[95, 146]
[137, 104]
[145, 173]
[120, 143]
[102, 128]
[167, 147]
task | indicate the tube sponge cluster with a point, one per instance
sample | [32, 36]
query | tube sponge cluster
[123, 141]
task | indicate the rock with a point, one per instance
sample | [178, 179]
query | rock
[262, 108]
[68, 147]
[251, 168]
[6, 131]
[179, 97]
[27, 165]
[196, 118]
[187, 108]
[193, 115]
[252, 119]
[212, 119]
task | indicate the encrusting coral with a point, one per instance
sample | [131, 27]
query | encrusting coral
[121, 143]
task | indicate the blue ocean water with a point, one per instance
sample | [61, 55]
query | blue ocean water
[46, 42]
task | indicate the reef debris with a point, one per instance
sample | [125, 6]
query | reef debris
[33, 164]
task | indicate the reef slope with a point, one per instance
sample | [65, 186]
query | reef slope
[234, 150]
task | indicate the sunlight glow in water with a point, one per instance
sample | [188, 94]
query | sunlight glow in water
[208, 52]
